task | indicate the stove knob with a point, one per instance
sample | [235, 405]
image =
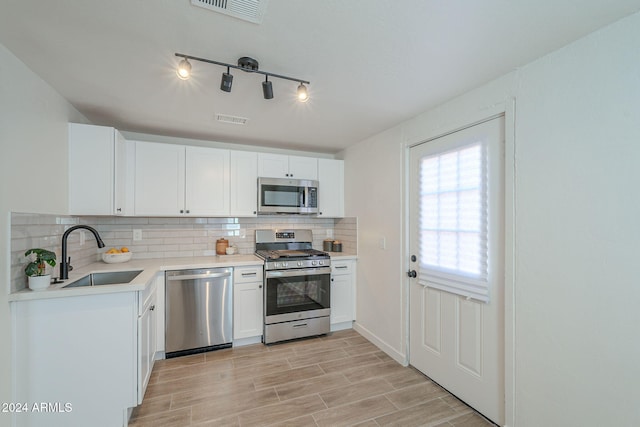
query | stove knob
[299, 263]
[285, 264]
[277, 264]
[321, 262]
[314, 262]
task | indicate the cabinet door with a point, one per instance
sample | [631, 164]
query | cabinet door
[244, 183]
[207, 181]
[147, 338]
[303, 167]
[144, 352]
[159, 182]
[341, 298]
[91, 160]
[247, 310]
[124, 175]
[273, 165]
[331, 188]
[79, 350]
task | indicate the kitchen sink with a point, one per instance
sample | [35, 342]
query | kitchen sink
[107, 278]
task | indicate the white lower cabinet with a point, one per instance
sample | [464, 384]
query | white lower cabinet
[89, 356]
[247, 305]
[147, 335]
[77, 354]
[342, 294]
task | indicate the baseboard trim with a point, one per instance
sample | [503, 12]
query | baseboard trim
[390, 351]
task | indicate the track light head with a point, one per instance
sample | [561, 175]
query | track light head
[267, 89]
[227, 81]
[303, 95]
[184, 69]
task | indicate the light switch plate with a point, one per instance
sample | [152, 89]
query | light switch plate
[137, 235]
[382, 243]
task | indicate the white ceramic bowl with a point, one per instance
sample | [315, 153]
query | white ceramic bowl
[116, 258]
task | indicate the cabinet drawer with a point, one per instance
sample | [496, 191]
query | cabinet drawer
[341, 267]
[247, 274]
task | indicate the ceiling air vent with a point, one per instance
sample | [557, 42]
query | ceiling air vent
[248, 10]
[235, 120]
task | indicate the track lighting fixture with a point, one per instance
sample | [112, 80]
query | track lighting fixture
[227, 81]
[267, 89]
[303, 95]
[246, 64]
[184, 69]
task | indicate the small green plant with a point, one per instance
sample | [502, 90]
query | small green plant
[43, 257]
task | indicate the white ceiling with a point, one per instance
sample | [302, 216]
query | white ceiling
[372, 63]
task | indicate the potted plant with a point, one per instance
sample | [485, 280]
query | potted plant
[36, 270]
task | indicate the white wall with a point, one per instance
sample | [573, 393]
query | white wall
[378, 208]
[576, 233]
[33, 171]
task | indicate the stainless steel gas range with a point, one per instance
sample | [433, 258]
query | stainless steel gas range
[297, 285]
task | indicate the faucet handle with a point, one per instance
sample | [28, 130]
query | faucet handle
[69, 266]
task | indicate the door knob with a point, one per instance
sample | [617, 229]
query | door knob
[412, 274]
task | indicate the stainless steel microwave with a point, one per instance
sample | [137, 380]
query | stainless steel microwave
[287, 196]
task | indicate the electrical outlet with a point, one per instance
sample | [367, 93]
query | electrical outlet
[137, 235]
[330, 232]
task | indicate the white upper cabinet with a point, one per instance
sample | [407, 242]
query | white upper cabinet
[98, 165]
[125, 152]
[177, 180]
[303, 167]
[243, 183]
[109, 175]
[282, 166]
[207, 181]
[159, 179]
[331, 188]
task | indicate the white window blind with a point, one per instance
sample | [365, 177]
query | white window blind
[453, 228]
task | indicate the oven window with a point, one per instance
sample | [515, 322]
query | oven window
[280, 195]
[300, 293]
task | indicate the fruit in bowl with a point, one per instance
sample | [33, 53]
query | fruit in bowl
[114, 255]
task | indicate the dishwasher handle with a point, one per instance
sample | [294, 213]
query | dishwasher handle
[199, 276]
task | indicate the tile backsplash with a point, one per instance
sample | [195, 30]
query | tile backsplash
[161, 237]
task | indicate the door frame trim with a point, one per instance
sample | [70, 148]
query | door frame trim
[508, 110]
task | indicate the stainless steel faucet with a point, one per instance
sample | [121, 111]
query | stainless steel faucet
[64, 265]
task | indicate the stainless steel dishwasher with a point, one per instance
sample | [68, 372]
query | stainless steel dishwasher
[198, 310]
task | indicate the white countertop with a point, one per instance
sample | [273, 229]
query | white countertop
[338, 256]
[149, 269]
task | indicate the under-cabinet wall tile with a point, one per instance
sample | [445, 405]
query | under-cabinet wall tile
[161, 237]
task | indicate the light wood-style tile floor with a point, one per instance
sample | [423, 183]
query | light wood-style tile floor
[335, 380]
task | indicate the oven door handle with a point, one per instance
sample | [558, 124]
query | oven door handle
[298, 272]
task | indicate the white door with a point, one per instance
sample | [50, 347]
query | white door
[456, 236]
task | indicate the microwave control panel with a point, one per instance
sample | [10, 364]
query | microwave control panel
[313, 197]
